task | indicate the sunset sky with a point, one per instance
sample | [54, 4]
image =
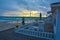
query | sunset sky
[24, 7]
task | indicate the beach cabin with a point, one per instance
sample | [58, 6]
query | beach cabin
[55, 8]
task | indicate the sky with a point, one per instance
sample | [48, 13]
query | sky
[15, 7]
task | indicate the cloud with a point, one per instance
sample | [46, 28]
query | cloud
[7, 6]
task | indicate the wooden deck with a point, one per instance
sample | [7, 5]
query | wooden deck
[11, 35]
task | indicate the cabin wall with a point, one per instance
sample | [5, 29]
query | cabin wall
[57, 24]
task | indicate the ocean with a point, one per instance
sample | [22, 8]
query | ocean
[19, 19]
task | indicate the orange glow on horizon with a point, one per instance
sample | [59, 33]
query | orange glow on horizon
[24, 13]
[27, 14]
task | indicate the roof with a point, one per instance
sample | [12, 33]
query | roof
[55, 3]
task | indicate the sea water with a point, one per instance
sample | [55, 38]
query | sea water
[17, 19]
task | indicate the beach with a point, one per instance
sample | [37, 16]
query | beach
[11, 24]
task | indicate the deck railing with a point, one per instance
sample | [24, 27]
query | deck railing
[46, 35]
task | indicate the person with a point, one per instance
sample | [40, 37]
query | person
[23, 21]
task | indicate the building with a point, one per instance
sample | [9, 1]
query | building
[55, 9]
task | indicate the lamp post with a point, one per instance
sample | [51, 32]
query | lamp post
[40, 16]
